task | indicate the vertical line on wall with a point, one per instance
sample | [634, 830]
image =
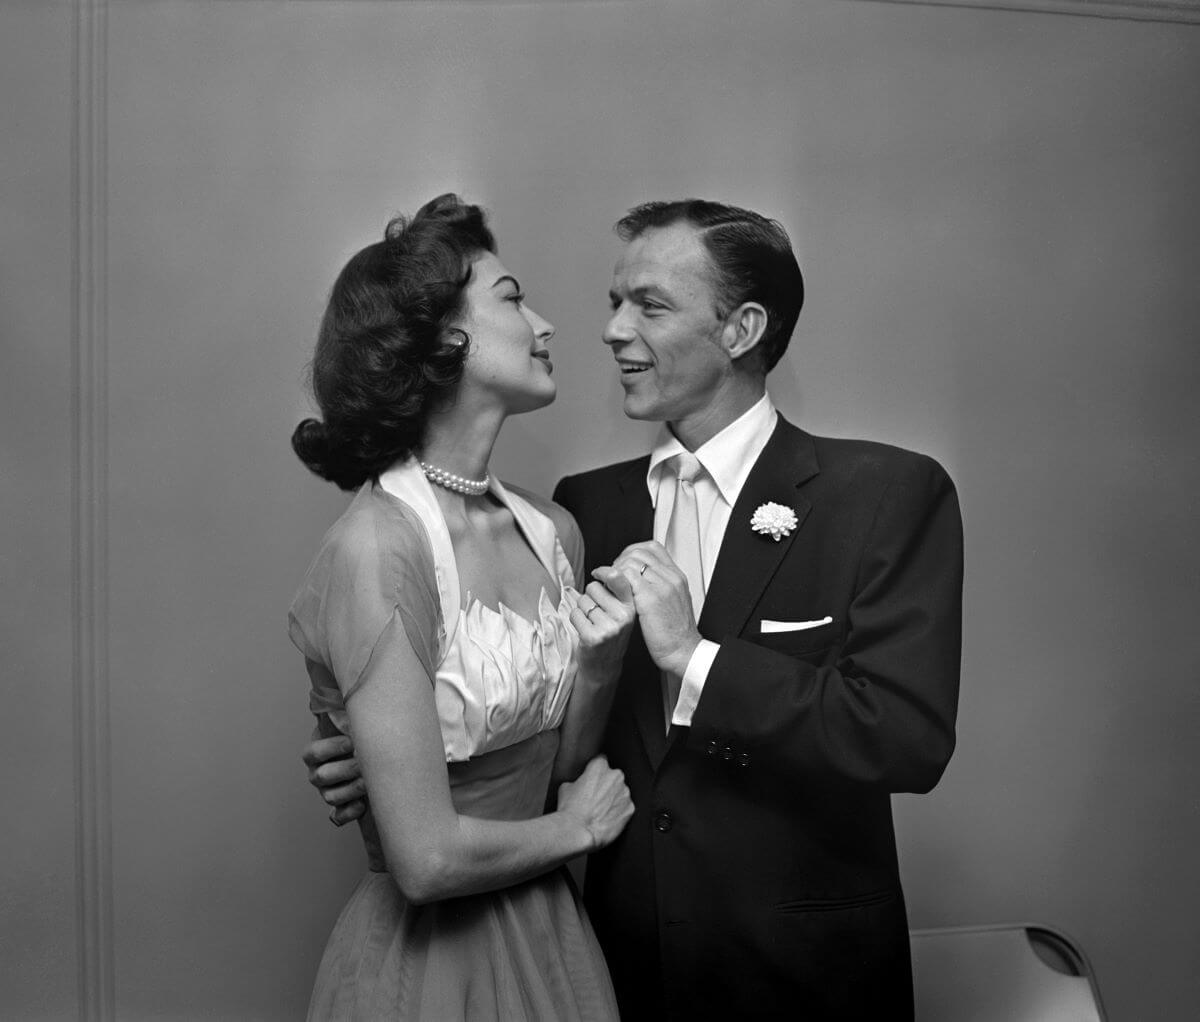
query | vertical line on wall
[89, 527]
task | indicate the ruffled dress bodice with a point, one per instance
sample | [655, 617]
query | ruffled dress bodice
[501, 692]
[505, 678]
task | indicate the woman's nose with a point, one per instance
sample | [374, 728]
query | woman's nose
[543, 330]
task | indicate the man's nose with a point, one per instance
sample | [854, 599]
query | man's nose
[618, 330]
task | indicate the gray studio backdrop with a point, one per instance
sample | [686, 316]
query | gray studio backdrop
[996, 215]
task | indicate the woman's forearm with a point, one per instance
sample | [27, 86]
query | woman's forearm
[604, 617]
[473, 855]
[582, 732]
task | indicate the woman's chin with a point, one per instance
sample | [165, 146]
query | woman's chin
[533, 400]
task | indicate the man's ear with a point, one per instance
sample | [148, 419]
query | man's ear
[744, 328]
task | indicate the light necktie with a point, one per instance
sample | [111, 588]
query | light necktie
[683, 544]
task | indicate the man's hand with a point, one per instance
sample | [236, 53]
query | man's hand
[663, 602]
[334, 772]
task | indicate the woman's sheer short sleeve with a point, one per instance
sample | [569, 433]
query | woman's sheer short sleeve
[371, 584]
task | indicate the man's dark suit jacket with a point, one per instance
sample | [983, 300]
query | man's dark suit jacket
[758, 876]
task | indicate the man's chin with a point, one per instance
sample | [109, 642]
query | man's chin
[640, 410]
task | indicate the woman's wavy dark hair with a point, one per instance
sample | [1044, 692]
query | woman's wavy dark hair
[384, 359]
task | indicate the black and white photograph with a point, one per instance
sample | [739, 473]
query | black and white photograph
[595, 510]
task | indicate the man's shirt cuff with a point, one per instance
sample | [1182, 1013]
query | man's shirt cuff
[692, 685]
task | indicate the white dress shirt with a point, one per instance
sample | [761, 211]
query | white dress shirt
[727, 458]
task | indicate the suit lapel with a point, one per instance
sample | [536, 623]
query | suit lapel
[636, 520]
[748, 560]
[635, 525]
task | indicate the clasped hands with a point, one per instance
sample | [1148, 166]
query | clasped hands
[645, 581]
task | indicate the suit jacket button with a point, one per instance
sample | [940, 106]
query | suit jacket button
[727, 753]
[663, 822]
[711, 747]
[744, 759]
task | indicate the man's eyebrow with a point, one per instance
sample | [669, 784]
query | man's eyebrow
[507, 279]
[640, 292]
[651, 291]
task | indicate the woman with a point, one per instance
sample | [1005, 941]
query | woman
[441, 626]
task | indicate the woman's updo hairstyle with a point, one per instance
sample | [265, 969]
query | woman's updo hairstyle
[386, 353]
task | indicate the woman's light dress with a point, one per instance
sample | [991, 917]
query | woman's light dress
[386, 574]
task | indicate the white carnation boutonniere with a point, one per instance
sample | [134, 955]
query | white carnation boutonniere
[774, 520]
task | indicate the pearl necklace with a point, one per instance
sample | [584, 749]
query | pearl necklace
[449, 481]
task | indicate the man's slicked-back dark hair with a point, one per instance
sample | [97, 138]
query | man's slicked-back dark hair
[752, 261]
[382, 361]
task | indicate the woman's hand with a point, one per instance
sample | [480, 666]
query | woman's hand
[599, 800]
[604, 615]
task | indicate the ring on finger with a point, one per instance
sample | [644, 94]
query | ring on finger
[588, 613]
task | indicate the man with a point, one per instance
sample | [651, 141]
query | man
[797, 658]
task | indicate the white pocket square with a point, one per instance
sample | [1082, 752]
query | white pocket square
[793, 626]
